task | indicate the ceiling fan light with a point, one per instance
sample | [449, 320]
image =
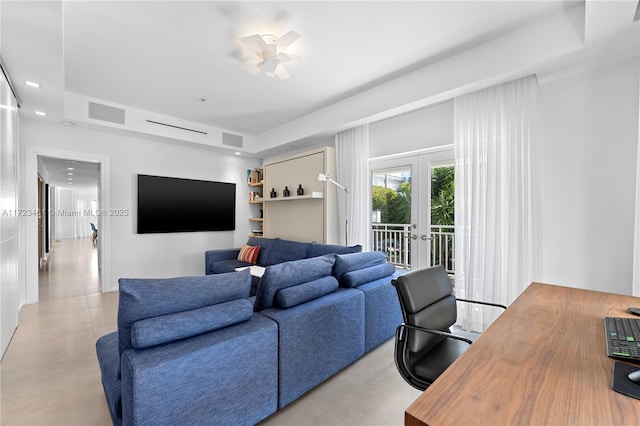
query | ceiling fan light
[266, 53]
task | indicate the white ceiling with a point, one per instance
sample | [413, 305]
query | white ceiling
[165, 56]
[77, 175]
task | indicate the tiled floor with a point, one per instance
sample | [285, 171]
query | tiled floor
[50, 376]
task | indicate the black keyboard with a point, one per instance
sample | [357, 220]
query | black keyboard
[623, 338]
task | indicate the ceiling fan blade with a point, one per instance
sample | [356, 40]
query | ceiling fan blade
[252, 66]
[284, 58]
[287, 39]
[293, 57]
[253, 43]
[281, 72]
[270, 65]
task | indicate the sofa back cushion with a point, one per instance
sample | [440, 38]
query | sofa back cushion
[148, 298]
[355, 261]
[266, 245]
[305, 292]
[317, 249]
[181, 325]
[367, 275]
[286, 251]
[289, 274]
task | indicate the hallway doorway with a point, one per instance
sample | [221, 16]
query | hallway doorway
[71, 265]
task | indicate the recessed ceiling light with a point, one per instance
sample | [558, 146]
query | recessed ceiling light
[66, 123]
[41, 113]
[70, 174]
[69, 168]
[237, 153]
[32, 84]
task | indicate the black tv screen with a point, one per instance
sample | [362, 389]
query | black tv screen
[168, 204]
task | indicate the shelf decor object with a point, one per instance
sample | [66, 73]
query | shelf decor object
[255, 180]
[300, 190]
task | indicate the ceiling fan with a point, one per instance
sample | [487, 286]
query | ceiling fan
[267, 53]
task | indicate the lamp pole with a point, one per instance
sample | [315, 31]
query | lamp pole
[323, 177]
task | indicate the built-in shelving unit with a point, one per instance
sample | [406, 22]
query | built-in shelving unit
[255, 180]
[309, 217]
[313, 195]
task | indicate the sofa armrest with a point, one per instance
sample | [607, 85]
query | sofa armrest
[224, 377]
[213, 256]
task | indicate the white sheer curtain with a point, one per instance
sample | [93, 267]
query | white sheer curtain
[494, 137]
[352, 158]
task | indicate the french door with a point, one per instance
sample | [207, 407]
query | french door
[402, 195]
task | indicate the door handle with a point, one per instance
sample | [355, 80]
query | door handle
[414, 237]
[425, 238]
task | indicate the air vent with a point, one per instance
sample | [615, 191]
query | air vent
[177, 127]
[231, 140]
[106, 113]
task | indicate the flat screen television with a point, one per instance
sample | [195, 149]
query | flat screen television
[167, 204]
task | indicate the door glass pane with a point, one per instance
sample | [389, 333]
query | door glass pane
[442, 217]
[391, 215]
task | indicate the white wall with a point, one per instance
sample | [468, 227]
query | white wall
[149, 255]
[424, 128]
[588, 142]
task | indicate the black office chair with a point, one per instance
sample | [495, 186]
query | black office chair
[94, 232]
[425, 345]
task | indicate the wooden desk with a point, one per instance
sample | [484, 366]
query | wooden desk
[542, 362]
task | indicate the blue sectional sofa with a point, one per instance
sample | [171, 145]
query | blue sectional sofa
[272, 252]
[189, 350]
[200, 350]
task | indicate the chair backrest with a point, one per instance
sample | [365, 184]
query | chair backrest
[427, 300]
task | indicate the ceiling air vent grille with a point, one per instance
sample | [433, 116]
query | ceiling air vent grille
[177, 127]
[231, 140]
[106, 113]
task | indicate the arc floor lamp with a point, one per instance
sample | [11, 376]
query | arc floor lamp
[323, 177]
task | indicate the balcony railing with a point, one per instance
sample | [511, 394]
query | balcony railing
[394, 239]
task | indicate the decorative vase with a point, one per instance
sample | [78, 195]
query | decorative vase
[273, 193]
[286, 192]
[300, 191]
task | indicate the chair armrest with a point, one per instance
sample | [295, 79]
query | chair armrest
[497, 305]
[438, 332]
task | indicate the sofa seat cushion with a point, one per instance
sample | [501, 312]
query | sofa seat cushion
[305, 292]
[181, 325]
[289, 274]
[354, 261]
[228, 266]
[316, 249]
[109, 362]
[365, 275]
[147, 297]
